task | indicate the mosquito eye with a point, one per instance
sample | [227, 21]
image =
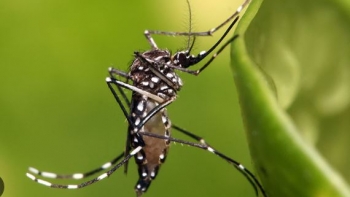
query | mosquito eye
[182, 60]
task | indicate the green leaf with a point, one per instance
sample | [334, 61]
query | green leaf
[291, 69]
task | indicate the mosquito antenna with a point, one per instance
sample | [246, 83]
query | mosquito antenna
[191, 47]
[189, 44]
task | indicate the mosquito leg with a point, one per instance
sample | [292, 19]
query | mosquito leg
[189, 134]
[125, 98]
[80, 175]
[128, 103]
[110, 81]
[76, 175]
[118, 83]
[87, 183]
[149, 38]
[249, 175]
[148, 33]
[210, 32]
[216, 54]
[103, 167]
[112, 71]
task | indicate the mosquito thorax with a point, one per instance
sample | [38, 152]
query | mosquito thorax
[152, 72]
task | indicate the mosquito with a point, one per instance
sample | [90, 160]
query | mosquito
[154, 85]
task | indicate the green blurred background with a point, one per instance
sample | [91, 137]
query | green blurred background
[57, 113]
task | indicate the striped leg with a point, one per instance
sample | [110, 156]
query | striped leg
[191, 135]
[249, 175]
[76, 175]
[148, 33]
[87, 183]
[103, 167]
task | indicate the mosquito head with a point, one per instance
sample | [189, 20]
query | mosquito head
[184, 59]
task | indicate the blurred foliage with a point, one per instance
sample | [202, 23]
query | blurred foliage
[292, 73]
[57, 113]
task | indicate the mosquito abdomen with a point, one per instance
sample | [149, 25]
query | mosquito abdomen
[154, 152]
